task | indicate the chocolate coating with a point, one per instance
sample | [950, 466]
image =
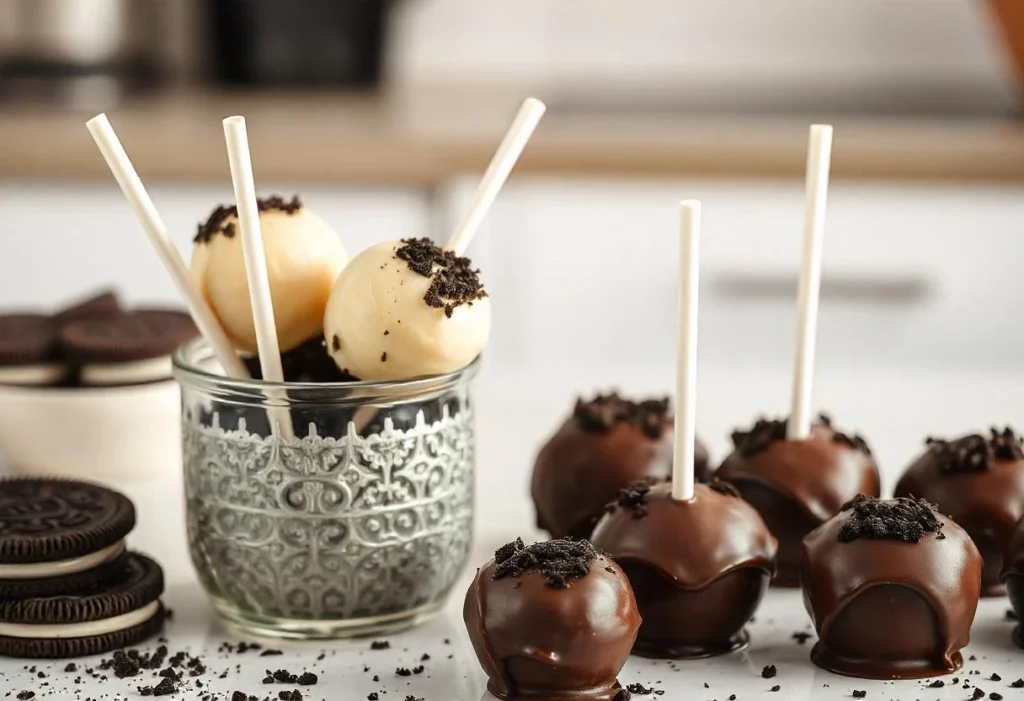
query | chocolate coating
[545, 643]
[1013, 578]
[890, 609]
[606, 445]
[699, 568]
[978, 482]
[798, 485]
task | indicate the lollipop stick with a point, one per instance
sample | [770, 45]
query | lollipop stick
[145, 211]
[497, 173]
[819, 157]
[686, 351]
[255, 259]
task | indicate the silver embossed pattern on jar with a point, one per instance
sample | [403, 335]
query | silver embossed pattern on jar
[358, 523]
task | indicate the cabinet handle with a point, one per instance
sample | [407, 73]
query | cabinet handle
[857, 288]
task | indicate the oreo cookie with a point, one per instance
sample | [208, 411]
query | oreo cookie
[29, 350]
[130, 348]
[102, 304]
[59, 535]
[107, 617]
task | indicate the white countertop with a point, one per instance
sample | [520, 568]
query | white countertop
[515, 412]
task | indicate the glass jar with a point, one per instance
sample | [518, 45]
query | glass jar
[352, 516]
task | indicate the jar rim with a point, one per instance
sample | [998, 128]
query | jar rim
[186, 369]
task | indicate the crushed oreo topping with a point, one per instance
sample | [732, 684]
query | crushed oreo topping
[975, 453]
[634, 497]
[453, 281]
[904, 519]
[723, 487]
[560, 561]
[602, 412]
[764, 432]
[856, 441]
[218, 222]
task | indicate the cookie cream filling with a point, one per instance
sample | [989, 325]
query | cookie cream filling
[103, 626]
[130, 373]
[33, 375]
[57, 568]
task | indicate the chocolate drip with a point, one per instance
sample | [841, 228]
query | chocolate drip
[1013, 577]
[798, 485]
[539, 641]
[926, 589]
[695, 592]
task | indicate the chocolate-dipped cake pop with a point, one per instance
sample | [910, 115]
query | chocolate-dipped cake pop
[1013, 578]
[892, 587]
[797, 485]
[552, 621]
[978, 482]
[606, 445]
[699, 568]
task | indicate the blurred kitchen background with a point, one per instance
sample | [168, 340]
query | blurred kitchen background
[382, 115]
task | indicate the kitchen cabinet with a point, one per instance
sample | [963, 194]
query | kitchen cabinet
[582, 272]
[914, 275]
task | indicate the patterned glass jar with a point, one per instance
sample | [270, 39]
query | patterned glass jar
[352, 516]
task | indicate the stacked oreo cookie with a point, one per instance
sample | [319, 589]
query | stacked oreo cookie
[68, 584]
[92, 343]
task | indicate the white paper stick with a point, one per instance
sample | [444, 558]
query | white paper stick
[819, 157]
[255, 260]
[153, 225]
[686, 351]
[497, 173]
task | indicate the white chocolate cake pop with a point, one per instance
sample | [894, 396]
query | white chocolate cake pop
[304, 257]
[405, 309]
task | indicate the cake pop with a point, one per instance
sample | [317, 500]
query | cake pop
[1013, 578]
[607, 444]
[978, 481]
[797, 485]
[552, 621]
[699, 558]
[303, 259]
[892, 587]
[698, 568]
[406, 309]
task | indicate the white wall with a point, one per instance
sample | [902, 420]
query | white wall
[838, 49]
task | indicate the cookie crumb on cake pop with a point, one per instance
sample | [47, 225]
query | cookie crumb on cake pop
[634, 497]
[764, 432]
[723, 487]
[602, 412]
[903, 519]
[453, 281]
[560, 561]
[976, 452]
[521, 605]
[897, 561]
[217, 222]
